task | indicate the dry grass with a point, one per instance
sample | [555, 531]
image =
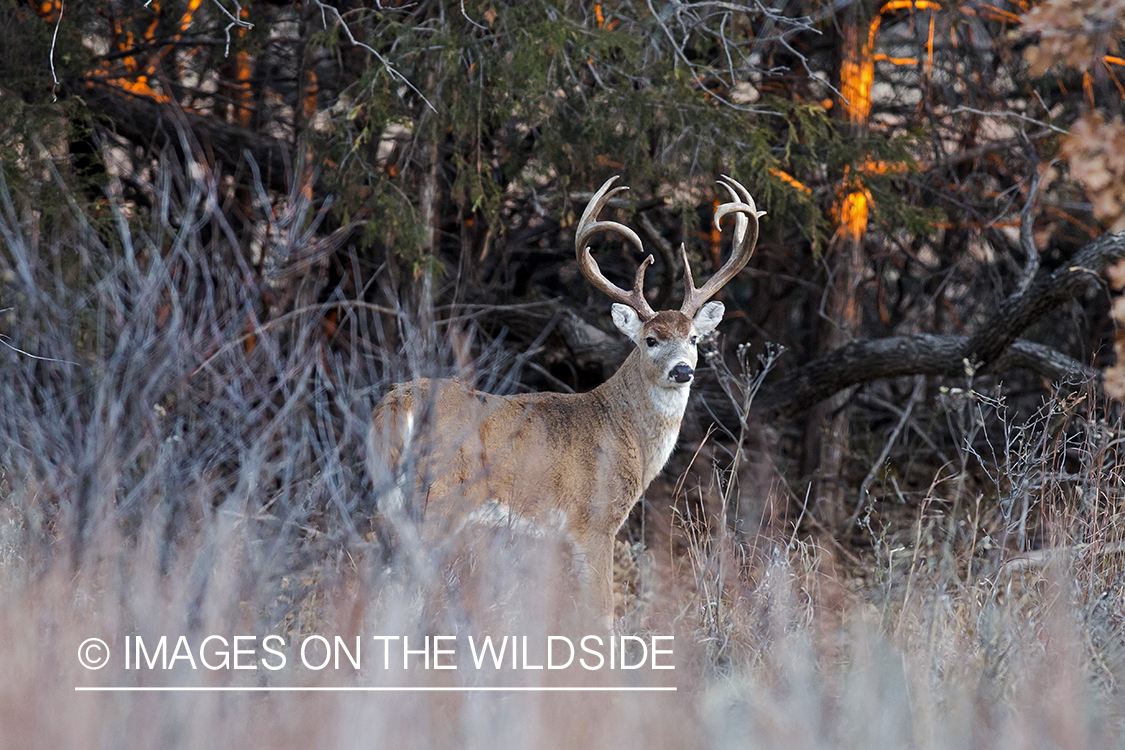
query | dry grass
[175, 461]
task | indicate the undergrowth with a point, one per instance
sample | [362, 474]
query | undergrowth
[181, 453]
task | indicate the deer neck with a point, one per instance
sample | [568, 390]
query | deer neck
[647, 410]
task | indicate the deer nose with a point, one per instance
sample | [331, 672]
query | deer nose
[681, 373]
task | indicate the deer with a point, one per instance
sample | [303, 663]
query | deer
[575, 462]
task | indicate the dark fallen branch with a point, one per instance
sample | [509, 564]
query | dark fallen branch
[992, 348]
[920, 354]
[141, 120]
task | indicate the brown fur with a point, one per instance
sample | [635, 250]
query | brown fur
[589, 455]
[670, 324]
[541, 459]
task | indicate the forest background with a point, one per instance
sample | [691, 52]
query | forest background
[894, 516]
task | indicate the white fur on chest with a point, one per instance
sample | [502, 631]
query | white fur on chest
[661, 453]
[669, 403]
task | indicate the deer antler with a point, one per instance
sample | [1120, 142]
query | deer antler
[588, 227]
[743, 207]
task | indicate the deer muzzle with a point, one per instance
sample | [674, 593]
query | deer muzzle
[681, 373]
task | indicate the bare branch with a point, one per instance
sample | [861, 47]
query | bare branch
[993, 348]
[391, 70]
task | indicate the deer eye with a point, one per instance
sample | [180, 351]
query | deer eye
[651, 342]
[694, 339]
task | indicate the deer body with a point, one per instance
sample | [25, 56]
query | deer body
[574, 462]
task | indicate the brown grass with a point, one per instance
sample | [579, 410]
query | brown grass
[160, 476]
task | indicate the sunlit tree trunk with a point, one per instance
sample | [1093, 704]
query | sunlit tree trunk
[828, 437]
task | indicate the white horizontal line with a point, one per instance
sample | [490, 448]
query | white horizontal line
[373, 689]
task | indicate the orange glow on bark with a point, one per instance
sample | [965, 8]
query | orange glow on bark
[930, 47]
[125, 41]
[242, 76]
[896, 60]
[853, 211]
[993, 14]
[312, 84]
[857, 72]
[185, 19]
[1112, 75]
[308, 110]
[789, 180]
[48, 9]
[882, 167]
[857, 75]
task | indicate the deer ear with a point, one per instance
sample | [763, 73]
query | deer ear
[627, 321]
[709, 317]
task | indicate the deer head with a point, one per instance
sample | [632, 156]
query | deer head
[667, 340]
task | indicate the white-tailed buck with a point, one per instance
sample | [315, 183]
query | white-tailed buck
[572, 462]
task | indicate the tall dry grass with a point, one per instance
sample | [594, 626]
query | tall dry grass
[178, 457]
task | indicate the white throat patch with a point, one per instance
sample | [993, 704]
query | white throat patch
[669, 402]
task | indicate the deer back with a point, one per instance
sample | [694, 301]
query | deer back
[531, 453]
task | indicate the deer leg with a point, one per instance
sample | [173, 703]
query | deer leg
[599, 568]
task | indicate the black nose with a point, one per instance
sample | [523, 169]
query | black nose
[681, 373]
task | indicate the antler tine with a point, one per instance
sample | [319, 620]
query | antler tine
[740, 220]
[587, 228]
[744, 241]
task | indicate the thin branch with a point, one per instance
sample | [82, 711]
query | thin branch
[1027, 222]
[466, 15]
[54, 38]
[865, 486]
[234, 21]
[1009, 113]
[391, 71]
[4, 341]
